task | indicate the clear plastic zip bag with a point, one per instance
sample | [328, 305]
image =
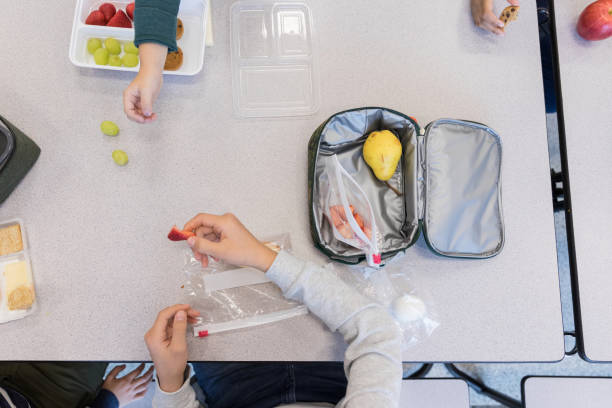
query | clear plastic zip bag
[232, 297]
[349, 212]
[412, 308]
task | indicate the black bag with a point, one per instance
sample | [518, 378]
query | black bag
[18, 153]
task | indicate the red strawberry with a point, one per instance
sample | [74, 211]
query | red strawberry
[120, 19]
[176, 234]
[96, 17]
[108, 10]
[130, 10]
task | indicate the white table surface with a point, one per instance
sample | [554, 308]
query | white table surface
[102, 263]
[565, 392]
[434, 393]
[587, 103]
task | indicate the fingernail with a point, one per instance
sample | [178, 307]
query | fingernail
[191, 241]
[147, 114]
[181, 315]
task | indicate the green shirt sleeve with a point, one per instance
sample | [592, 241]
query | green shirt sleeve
[155, 21]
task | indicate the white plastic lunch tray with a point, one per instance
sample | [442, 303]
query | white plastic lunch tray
[193, 42]
[7, 315]
[274, 71]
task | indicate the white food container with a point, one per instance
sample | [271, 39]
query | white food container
[7, 315]
[193, 13]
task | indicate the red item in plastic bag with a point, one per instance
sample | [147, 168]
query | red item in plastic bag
[341, 223]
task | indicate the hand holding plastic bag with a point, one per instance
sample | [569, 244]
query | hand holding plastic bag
[234, 297]
[349, 212]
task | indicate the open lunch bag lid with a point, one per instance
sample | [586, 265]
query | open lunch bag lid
[449, 176]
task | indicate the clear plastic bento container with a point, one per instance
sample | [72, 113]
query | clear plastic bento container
[17, 291]
[193, 14]
[274, 69]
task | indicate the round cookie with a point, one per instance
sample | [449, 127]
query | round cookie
[174, 60]
[179, 29]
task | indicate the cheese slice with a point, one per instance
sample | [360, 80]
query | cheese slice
[18, 285]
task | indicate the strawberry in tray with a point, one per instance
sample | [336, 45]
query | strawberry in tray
[176, 234]
[120, 19]
[109, 10]
[130, 10]
[96, 17]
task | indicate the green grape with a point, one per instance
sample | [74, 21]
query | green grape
[101, 56]
[93, 44]
[115, 61]
[130, 48]
[120, 157]
[113, 46]
[109, 128]
[130, 60]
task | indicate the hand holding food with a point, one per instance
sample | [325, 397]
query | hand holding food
[485, 18]
[225, 238]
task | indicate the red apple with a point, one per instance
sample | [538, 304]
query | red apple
[595, 22]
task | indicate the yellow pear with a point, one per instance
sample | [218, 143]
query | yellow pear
[382, 151]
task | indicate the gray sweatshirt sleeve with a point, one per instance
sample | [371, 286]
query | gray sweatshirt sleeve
[372, 361]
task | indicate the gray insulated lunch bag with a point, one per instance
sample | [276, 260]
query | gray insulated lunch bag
[449, 176]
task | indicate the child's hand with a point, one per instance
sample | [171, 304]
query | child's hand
[141, 94]
[224, 237]
[131, 386]
[482, 12]
[167, 344]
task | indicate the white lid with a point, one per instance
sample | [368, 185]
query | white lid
[273, 59]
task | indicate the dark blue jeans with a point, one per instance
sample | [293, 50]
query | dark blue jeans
[261, 385]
